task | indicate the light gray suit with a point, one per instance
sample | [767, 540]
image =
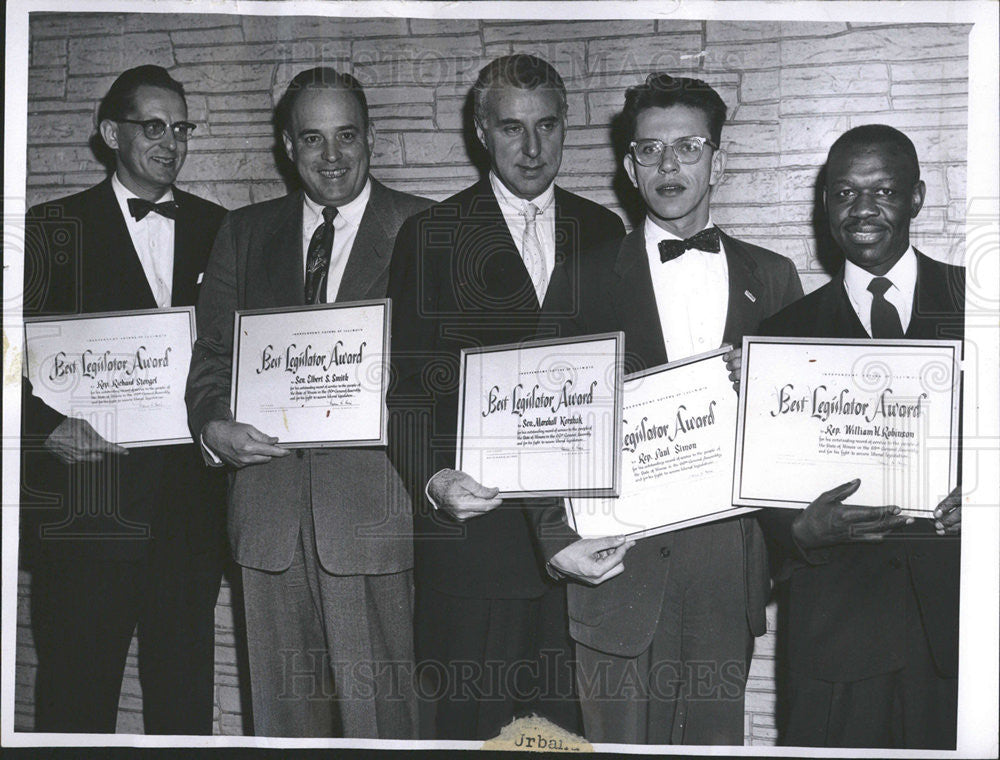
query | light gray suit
[339, 515]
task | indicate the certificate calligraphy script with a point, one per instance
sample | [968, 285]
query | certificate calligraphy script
[543, 418]
[815, 413]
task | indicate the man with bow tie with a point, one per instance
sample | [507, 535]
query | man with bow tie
[324, 536]
[664, 634]
[121, 538]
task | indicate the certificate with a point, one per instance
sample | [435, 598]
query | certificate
[123, 372]
[543, 418]
[678, 444]
[816, 413]
[313, 375]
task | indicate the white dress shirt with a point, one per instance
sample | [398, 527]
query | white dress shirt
[345, 230]
[153, 239]
[513, 210]
[692, 295]
[903, 276]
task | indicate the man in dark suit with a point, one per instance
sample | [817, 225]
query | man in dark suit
[118, 537]
[872, 595]
[675, 618]
[324, 535]
[473, 271]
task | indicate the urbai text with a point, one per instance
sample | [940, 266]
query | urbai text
[293, 359]
[519, 402]
[91, 364]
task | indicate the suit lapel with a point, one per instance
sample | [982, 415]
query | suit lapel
[183, 290]
[113, 258]
[845, 319]
[746, 292]
[369, 256]
[282, 252]
[635, 301]
[934, 302]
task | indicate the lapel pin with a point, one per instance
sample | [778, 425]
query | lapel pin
[201, 276]
[750, 296]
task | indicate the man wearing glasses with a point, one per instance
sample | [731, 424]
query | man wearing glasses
[664, 634]
[121, 538]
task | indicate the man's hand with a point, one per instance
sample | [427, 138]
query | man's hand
[461, 496]
[734, 361]
[239, 444]
[75, 441]
[593, 560]
[948, 515]
[827, 521]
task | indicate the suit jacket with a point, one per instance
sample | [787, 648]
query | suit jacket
[613, 290]
[845, 602]
[458, 281]
[361, 512]
[79, 258]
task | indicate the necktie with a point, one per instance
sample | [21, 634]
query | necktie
[318, 258]
[885, 318]
[706, 240]
[531, 252]
[139, 207]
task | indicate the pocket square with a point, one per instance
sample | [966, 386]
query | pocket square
[201, 276]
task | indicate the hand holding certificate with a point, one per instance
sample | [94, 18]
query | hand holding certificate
[542, 418]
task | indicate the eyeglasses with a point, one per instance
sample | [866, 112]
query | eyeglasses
[155, 128]
[687, 150]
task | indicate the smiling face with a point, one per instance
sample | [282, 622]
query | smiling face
[676, 194]
[872, 192]
[148, 167]
[523, 132]
[329, 145]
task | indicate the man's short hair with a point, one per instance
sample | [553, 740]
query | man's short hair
[868, 135]
[663, 91]
[120, 99]
[525, 72]
[318, 78]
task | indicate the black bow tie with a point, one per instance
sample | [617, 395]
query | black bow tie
[139, 207]
[706, 240]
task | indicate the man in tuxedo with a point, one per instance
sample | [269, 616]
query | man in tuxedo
[872, 595]
[118, 538]
[664, 634]
[324, 535]
[472, 271]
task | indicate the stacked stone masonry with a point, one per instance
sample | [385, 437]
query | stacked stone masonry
[791, 88]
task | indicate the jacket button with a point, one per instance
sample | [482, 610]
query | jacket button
[664, 551]
[895, 564]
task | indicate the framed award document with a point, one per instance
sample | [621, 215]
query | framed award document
[815, 413]
[678, 444]
[543, 418]
[123, 372]
[313, 376]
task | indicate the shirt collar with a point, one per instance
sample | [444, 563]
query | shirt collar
[655, 233]
[511, 204]
[123, 193]
[351, 212]
[903, 274]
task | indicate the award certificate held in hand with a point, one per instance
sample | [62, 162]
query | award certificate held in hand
[123, 372]
[313, 376]
[542, 418]
[817, 412]
[678, 443]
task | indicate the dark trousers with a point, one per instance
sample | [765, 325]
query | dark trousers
[914, 707]
[486, 661]
[83, 614]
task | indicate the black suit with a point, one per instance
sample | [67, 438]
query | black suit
[623, 620]
[457, 280]
[852, 608]
[136, 538]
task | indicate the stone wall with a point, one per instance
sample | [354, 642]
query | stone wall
[791, 87]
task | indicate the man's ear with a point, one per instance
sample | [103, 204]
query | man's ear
[371, 138]
[289, 146]
[718, 167]
[629, 164]
[481, 134]
[109, 133]
[917, 201]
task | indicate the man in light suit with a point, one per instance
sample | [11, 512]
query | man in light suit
[872, 595]
[323, 535]
[120, 538]
[474, 270]
[676, 616]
